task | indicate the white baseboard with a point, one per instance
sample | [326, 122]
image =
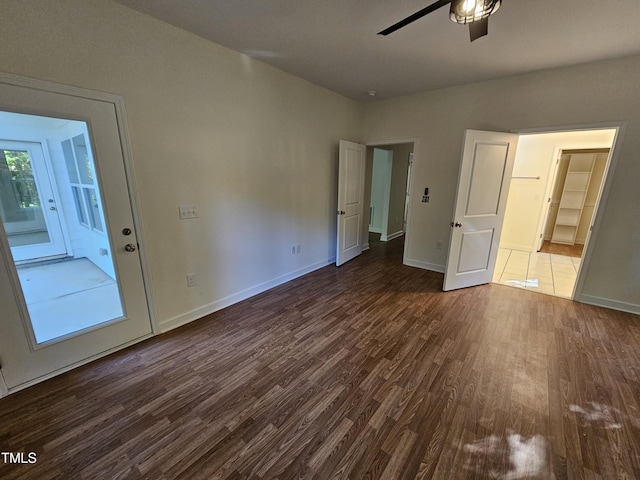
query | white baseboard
[608, 303]
[425, 265]
[365, 247]
[205, 310]
[375, 230]
[391, 236]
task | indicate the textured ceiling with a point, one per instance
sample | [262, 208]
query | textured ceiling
[334, 43]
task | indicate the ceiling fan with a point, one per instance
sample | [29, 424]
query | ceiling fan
[475, 13]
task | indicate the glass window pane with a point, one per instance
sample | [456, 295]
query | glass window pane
[20, 205]
[80, 292]
[70, 161]
[77, 198]
[82, 157]
[93, 208]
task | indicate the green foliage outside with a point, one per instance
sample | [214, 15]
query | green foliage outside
[22, 177]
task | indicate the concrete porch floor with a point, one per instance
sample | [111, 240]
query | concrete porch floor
[66, 297]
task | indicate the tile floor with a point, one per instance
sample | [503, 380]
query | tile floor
[65, 297]
[542, 272]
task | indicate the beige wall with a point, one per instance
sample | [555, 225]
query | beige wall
[253, 147]
[585, 94]
[535, 157]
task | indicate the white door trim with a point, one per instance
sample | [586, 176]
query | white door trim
[603, 196]
[546, 204]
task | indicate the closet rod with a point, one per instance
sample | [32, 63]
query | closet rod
[528, 178]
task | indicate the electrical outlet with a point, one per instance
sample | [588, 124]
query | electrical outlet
[188, 211]
[192, 280]
[293, 250]
[297, 249]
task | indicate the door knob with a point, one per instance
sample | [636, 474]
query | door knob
[457, 224]
[341, 212]
[130, 247]
[126, 231]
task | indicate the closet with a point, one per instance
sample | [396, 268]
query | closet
[572, 200]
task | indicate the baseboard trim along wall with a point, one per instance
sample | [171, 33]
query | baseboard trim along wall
[424, 265]
[608, 303]
[387, 238]
[212, 307]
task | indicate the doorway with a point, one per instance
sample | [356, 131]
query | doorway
[71, 281]
[556, 185]
[387, 188]
[27, 202]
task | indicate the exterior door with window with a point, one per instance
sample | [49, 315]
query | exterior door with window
[56, 315]
[28, 207]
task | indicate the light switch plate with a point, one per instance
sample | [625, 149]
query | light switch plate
[188, 211]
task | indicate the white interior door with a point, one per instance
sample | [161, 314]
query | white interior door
[28, 207]
[350, 212]
[118, 305]
[481, 200]
[546, 206]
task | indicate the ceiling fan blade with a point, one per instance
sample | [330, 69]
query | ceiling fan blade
[415, 16]
[479, 28]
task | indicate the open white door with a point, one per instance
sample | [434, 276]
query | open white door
[350, 201]
[481, 200]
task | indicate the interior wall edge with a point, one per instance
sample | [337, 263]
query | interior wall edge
[424, 265]
[610, 303]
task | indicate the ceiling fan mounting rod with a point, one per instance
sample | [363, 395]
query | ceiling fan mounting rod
[412, 18]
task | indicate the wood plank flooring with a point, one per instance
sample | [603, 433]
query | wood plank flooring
[560, 249]
[360, 372]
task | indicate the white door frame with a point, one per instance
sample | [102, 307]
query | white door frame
[416, 143]
[546, 204]
[45, 181]
[603, 195]
[118, 106]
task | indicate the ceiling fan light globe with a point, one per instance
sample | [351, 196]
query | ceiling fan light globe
[469, 6]
[467, 11]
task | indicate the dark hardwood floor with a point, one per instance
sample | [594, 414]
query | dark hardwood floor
[559, 249]
[359, 372]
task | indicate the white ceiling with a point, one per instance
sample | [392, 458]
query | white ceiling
[334, 43]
